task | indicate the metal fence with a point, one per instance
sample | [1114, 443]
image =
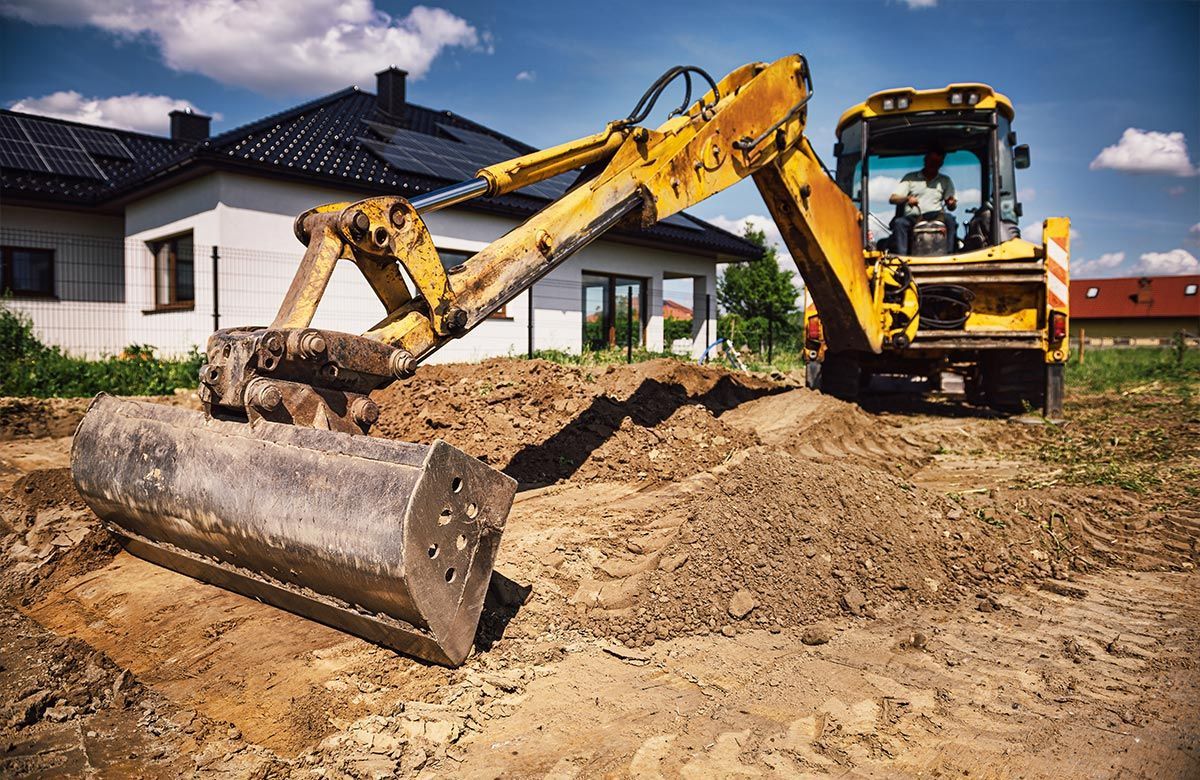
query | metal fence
[93, 295]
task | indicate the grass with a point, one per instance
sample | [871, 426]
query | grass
[1121, 369]
[1131, 424]
[30, 368]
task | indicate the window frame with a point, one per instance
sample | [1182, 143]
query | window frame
[173, 304]
[609, 307]
[6, 274]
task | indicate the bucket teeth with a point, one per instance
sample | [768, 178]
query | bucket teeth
[391, 541]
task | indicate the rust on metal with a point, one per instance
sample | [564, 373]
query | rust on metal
[392, 541]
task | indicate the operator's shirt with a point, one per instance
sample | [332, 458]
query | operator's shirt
[931, 195]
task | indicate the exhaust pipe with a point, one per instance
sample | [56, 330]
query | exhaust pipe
[391, 541]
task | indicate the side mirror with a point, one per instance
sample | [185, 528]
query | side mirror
[838, 148]
[1021, 156]
[1019, 210]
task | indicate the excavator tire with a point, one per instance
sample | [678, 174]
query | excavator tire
[841, 375]
[1013, 381]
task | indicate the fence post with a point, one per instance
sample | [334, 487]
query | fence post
[216, 295]
[629, 325]
[770, 332]
[531, 322]
[1082, 339]
[707, 319]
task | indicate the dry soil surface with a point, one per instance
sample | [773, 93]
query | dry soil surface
[704, 575]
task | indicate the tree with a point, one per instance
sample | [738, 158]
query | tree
[759, 291]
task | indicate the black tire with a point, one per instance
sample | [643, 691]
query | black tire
[1014, 381]
[841, 375]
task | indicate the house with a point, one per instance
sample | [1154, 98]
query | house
[110, 238]
[673, 310]
[1135, 310]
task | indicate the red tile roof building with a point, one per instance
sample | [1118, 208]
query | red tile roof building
[1135, 308]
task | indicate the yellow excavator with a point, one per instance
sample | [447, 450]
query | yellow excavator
[274, 490]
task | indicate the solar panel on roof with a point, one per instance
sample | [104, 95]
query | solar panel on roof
[10, 127]
[54, 149]
[49, 134]
[20, 155]
[679, 220]
[70, 162]
[103, 143]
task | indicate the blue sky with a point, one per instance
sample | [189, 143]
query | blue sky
[1086, 77]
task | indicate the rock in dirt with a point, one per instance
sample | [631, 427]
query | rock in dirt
[854, 602]
[742, 604]
[819, 634]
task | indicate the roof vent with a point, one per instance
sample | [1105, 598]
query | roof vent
[389, 91]
[189, 126]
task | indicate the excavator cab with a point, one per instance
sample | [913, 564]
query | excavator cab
[876, 149]
[993, 306]
[276, 491]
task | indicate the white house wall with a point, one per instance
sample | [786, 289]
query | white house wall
[87, 316]
[250, 220]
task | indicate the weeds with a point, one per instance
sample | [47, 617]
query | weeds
[30, 368]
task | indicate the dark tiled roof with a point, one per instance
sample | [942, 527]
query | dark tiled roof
[1135, 297]
[148, 152]
[329, 141]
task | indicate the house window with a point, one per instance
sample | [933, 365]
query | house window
[1189, 290]
[452, 258]
[26, 272]
[174, 273]
[1092, 292]
[610, 305]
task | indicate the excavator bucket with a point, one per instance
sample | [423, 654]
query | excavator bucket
[391, 541]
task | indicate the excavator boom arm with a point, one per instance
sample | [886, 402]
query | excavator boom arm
[274, 493]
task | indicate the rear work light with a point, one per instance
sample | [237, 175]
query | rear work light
[812, 330]
[1058, 325]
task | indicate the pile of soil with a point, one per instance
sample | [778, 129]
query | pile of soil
[49, 535]
[776, 541]
[541, 422]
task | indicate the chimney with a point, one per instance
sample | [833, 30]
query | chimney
[189, 126]
[389, 91]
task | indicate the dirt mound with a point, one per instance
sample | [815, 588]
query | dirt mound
[773, 541]
[50, 535]
[819, 427]
[541, 422]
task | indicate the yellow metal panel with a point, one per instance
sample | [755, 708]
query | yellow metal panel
[927, 100]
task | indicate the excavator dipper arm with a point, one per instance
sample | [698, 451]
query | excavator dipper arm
[274, 492]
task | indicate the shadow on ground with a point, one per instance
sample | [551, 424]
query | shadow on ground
[561, 455]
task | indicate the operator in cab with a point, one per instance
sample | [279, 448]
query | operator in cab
[923, 194]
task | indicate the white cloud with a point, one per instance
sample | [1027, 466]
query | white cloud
[1194, 234]
[1026, 194]
[1101, 266]
[1031, 230]
[1172, 263]
[970, 196]
[1175, 192]
[527, 75]
[770, 230]
[290, 46]
[144, 113]
[916, 4]
[881, 187]
[1147, 151]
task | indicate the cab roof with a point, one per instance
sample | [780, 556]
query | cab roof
[923, 100]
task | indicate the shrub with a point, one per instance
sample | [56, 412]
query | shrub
[30, 368]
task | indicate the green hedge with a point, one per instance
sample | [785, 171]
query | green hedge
[30, 368]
